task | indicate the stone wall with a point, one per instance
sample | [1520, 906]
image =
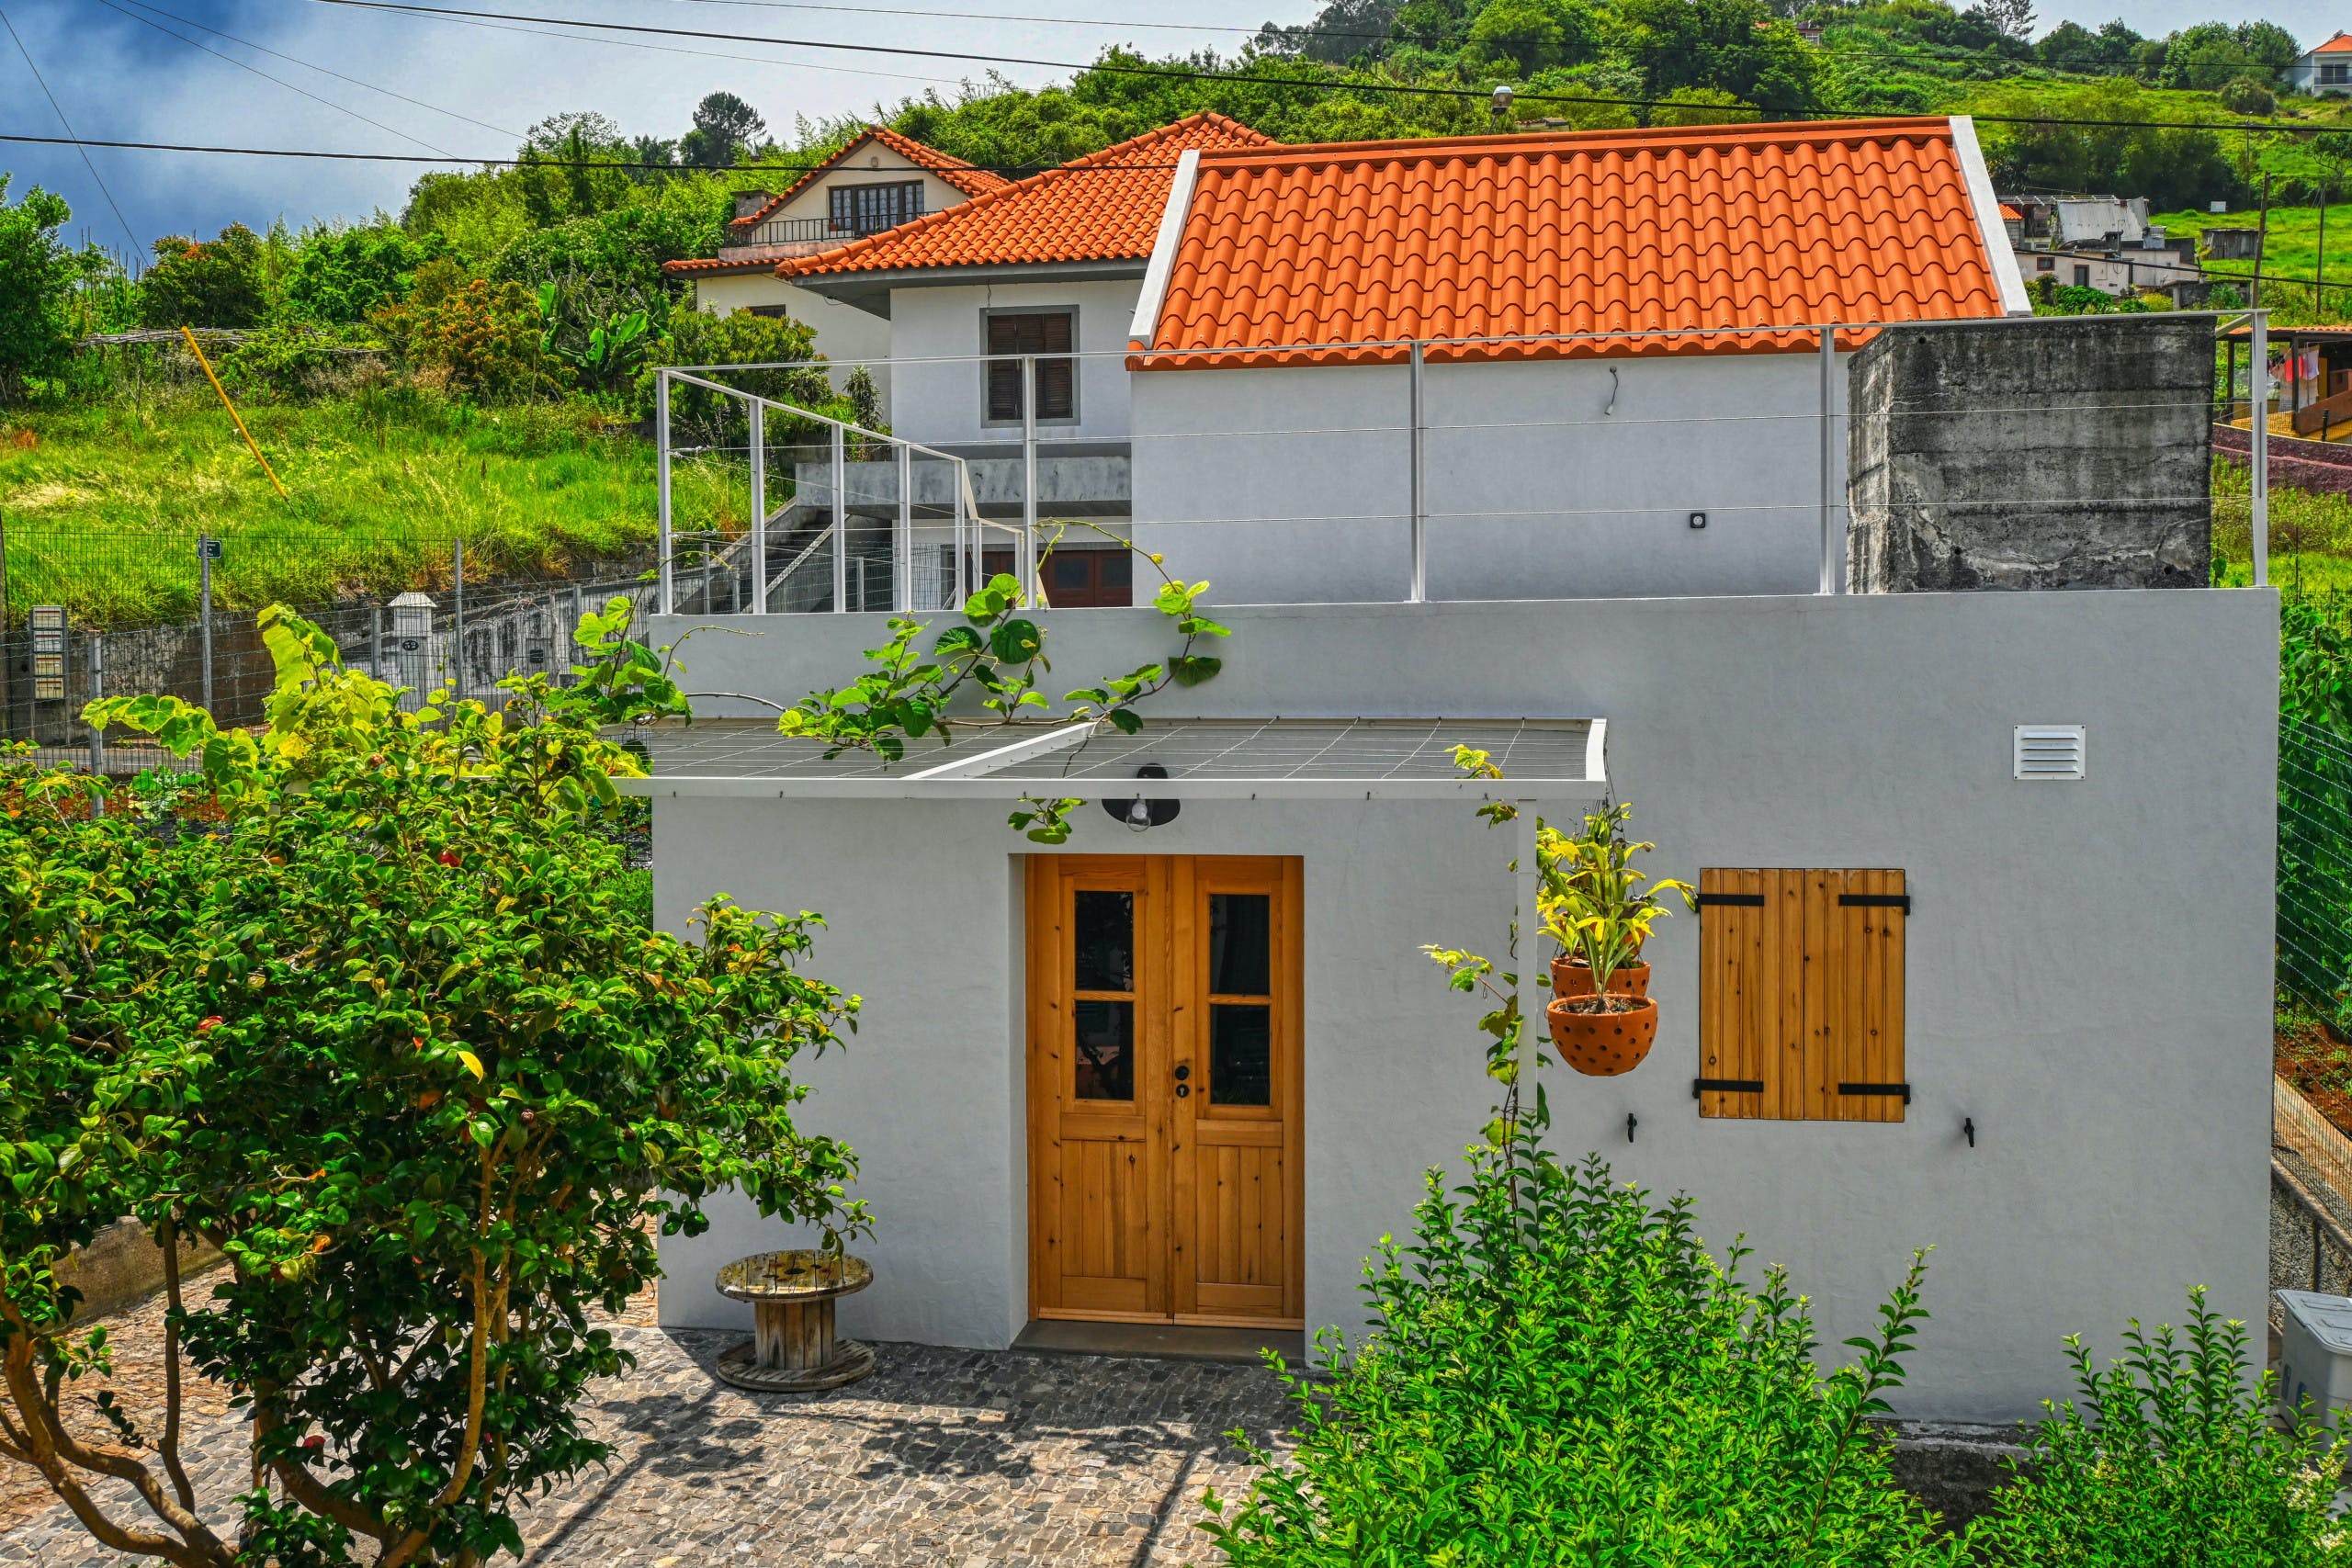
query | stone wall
[2068, 452]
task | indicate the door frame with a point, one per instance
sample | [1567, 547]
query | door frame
[1180, 1039]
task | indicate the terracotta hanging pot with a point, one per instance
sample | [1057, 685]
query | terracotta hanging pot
[1603, 1043]
[1572, 978]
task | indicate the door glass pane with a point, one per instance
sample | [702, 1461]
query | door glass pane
[1241, 1054]
[1107, 1056]
[1240, 933]
[1105, 945]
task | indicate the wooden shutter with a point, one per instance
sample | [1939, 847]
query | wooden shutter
[1800, 995]
[1046, 332]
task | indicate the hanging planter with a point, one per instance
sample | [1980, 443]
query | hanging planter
[1603, 1036]
[1572, 976]
[1599, 909]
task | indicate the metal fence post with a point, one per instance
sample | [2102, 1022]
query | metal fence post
[376, 641]
[902, 549]
[458, 641]
[2258, 454]
[204, 609]
[1832, 554]
[98, 690]
[661, 482]
[960, 582]
[840, 526]
[759, 507]
[1419, 592]
[1028, 573]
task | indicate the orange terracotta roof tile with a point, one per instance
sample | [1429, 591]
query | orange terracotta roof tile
[966, 178]
[693, 264]
[1103, 207]
[2011, 214]
[1771, 226]
[2339, 44]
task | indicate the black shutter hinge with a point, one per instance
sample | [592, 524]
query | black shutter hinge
[1747, 900]
[1725, 1086]
[1877, 900]
[1888, 1090]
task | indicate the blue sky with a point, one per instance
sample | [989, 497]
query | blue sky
[119, 78]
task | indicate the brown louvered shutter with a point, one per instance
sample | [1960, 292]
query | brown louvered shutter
[1800, 994]
[1042, 333]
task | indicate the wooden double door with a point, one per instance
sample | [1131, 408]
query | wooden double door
[1164, 1089]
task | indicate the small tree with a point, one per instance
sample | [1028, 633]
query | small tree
[212, 283]
[389, 1039]
[725, 127]
[37, 278]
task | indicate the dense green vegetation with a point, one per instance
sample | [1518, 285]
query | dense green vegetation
[471, 366]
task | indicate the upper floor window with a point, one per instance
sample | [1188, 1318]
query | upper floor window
[2332, 74]
[1037, 332]
[869, 209]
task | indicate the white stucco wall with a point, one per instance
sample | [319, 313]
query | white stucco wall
[1542, 479]
[944, 403]
[2088, 969]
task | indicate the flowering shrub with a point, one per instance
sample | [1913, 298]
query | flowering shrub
[478, 337]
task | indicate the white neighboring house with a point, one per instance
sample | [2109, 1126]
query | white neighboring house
[879, 180]
[1191, 1074]
[2322, 69]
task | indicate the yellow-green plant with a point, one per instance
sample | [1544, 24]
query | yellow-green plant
[1594, 902]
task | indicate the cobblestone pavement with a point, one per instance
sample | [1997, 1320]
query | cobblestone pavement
[944, 1457]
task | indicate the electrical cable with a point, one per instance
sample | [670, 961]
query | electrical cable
[1183, 73]
[280, 81]
[308, 65]
[69, 139]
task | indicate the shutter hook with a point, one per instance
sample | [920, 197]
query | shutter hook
[1632, 1121]
[1968, 1127]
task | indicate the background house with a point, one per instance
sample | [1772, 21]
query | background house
[2325, 68]
[880, 179]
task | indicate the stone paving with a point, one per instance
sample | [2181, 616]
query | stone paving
[956, 1458]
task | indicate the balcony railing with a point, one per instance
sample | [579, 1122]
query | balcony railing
[828, 516]
[818, 231]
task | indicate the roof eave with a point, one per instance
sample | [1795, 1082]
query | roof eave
[842, 286]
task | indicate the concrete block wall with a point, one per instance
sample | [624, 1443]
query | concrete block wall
[2070, 453]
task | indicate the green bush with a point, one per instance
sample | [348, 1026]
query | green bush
[288, 362]
[215, 283]
[37, 276]
[339, 276]
[2170, 1457]
[1560, 1373]
[473, 336]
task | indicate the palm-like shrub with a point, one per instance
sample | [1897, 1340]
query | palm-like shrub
[2171, 1456]
[1560, 1373]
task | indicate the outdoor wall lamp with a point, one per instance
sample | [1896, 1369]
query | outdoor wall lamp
[1141, 815]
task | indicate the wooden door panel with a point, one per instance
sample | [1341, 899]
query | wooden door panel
[1164, 1089]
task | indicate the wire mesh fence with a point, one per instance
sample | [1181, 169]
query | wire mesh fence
[418, 612]
[2315, 924]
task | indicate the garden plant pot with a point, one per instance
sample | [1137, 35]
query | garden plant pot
[1570, 979]
[1603, 1043]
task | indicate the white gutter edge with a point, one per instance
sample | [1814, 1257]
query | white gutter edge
[1020, 750]
[1990, 228]
[1164, 248]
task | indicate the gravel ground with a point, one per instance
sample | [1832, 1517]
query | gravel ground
[943, 1456]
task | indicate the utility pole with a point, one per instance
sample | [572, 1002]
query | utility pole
[2261, 243]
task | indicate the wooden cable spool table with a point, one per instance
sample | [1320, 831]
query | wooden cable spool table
[793, 1347]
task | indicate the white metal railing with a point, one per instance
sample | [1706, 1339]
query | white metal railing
[1827, 425]
[944, 580]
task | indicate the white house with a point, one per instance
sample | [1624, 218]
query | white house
[1985, 961]
[2325, 68]
[879, 180]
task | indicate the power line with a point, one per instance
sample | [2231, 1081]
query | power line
[280, 81]
[127, 231]
[321, 70]
[1184, 74]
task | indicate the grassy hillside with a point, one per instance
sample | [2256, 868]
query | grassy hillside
[101, 503]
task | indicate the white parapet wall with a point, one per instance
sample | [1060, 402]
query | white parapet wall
[2089, 962]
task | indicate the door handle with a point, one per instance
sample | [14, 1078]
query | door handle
[1183, 1071]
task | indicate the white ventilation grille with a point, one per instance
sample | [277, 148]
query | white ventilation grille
[2048, 752]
